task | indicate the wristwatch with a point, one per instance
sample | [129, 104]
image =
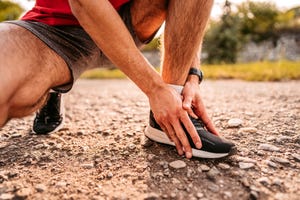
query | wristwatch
[197, 72]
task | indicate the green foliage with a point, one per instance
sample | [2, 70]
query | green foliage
[9, 11]
[153, 45]
[252, 21]
[223, 38]
[258, 20]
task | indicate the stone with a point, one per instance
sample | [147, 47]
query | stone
[248, 130]
[271, 164]
[213, 187]
[109, 175]
[61, 184]
[151, 196]
[264, 180]
[280, 160]
[23, 193]
[6, 196]
[245, 159]
[87, 165]
[245, 165]
[177, 164]
[268, 147]
[199, 195]
[223, 166]
[296, 157]
[213, 173]
[204, 168]
[40, 188]
[234, 123]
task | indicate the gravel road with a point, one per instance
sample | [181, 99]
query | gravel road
[102, 152]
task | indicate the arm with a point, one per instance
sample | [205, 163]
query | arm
[117, 44]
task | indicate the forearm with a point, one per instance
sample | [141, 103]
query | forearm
[103, 24]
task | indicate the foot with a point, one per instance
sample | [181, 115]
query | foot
[50, 118]
[212, 145]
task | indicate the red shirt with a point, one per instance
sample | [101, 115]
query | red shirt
[58, 12]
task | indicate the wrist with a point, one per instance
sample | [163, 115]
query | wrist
[195, 74]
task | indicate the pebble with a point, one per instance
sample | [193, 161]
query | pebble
[234, 123]
[177, 164]
[6, 196]
[87, 165]
[245, 165]
[151, 196]
[223, 166]
[199, 195]
[204, 168]
[40, 188]
[248, 130]
[296, 157]
[228, 195]
[280, 160]
[151, 157]
[23, 193]
[109, 175]
[268, 147]
[214, 188]
[271, 164]
[283, 138]
[264, 180]
[61, 184]
[213, 173]
[245, 159]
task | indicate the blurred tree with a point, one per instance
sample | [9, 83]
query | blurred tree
[258, 20]
[223, 38]
[9, 10]
[252, 21]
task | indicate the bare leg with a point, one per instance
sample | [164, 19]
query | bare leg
[185, 25]
[28, 70]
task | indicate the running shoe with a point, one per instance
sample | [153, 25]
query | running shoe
[212, 146]
[50, 118]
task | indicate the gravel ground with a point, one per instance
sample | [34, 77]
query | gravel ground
[102, 152]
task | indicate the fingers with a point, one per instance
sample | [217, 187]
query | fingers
[187, 105]
[183, 139]
[172, 136]
[191, 130]
[201, 112]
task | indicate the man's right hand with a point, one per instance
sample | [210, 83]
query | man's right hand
[166, 105]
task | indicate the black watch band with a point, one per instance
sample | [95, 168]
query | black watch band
[197, 72]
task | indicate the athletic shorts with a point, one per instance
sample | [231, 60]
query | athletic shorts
[75, 46]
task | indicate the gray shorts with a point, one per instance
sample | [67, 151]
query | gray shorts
[75, 46]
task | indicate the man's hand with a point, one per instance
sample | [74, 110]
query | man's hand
[166, 105]
[193, 103]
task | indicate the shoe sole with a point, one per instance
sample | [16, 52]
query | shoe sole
[161, 137]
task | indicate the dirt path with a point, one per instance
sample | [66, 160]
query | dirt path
[102, 153]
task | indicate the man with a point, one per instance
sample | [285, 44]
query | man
[59, 39]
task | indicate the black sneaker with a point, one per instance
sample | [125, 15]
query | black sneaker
[212, 145]
[50, 118]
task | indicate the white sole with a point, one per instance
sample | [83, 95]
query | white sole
[161, 137]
